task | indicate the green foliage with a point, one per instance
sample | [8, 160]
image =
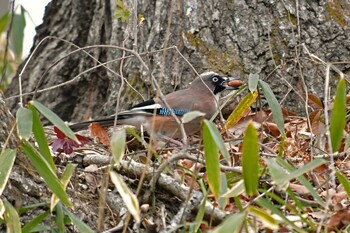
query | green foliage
[274, 105]
[122, 11]
[7, 159]
[118, 145]
[250, 160]
[338, 120]
[211, 153]
[17, 34]
[14, 45]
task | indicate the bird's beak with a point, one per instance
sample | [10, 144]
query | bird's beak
[232, 83]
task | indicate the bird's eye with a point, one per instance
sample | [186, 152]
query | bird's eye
[215, 79]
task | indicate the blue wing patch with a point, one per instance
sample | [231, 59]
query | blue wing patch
[167, 112]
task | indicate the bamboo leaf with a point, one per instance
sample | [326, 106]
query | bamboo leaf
[46, 172]
[54, 119]
[344, 182]
[211, 154]
[40, 137]
[250, 160]
[233, 224]
[338, 120]
[266, 219]
[128, 197]
[82, 227]
[66, 175]
[24, 120]
[190, 116]
[118, 142]
[236, 190]
[13, 225]
[28, 227]
[253, 82]
[274, 105]
[7, 159]
[17, 33]
[241, 108]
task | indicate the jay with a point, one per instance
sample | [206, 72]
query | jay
[201, 95]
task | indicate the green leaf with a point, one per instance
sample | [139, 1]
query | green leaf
[13, 225]
[267, 205]
[274, 105]
[4, 20]
[281, 176]
[24, 119]
[128, 197]
[306, 168]
[250, 160]
[303, 181]
[201, 211]
[277, 173]
[190, 116]
[82, 227]
[28, 227]
[338, 120]
[253, 82]
[2, 209]
[7, 159]
[266, 219]
[46, 172]
[118, 142]
[236, 189]
[216, 136]
[17, 33]
[55, 120]
[60, 218]
[66, 175]
[347, 143]
[40, 137]
[211, 153]
[344, 182]
[240, 110]
[222, 200]
[233, 224]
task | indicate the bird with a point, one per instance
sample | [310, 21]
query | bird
[201, 95]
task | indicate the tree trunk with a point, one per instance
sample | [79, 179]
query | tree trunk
[236, 37]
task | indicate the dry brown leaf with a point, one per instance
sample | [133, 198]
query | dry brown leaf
[100, 133]
[272, 128]
[338, 220]
[300, 189]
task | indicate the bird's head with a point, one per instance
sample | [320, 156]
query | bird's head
[216, 83]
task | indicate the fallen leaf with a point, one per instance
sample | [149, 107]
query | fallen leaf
[97, 131]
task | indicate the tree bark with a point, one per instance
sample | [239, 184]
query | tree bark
[232, 37]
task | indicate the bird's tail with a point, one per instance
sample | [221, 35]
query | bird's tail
[104, 122]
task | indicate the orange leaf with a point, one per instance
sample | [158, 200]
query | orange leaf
[100, 133]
